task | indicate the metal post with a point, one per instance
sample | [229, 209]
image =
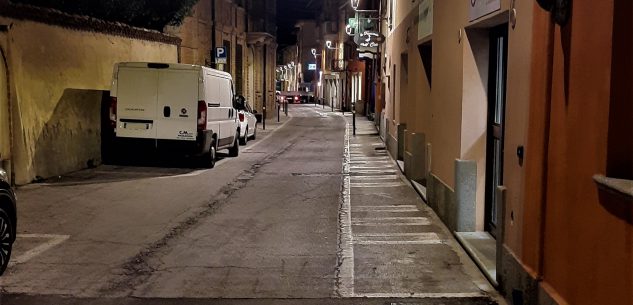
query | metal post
[278, 110]
[354, 117]
[264, 118]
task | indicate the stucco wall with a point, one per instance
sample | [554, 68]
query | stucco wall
[57, 77]
[520, 49]
[195, 33]
[5, 145]
[446, 95]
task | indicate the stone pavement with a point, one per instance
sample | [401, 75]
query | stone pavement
[399, 246]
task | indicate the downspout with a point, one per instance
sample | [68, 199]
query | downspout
[213, 27]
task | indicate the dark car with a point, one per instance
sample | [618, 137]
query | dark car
[8, 220]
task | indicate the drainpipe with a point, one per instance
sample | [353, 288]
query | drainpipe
[213, 27]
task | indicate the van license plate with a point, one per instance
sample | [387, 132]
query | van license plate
[136, 126]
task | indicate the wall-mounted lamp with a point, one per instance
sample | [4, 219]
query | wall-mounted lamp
[355, 4]
[328, 44]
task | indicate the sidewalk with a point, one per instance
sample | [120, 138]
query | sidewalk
[399, 246]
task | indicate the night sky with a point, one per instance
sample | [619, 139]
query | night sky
[291, 11]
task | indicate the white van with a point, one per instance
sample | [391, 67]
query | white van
[176, 108]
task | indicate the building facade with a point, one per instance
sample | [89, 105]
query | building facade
[247, 30]
[514, 122]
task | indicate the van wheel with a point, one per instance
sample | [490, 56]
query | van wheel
[208, 159]
[235, 150]
[244, 140]
[7, 236]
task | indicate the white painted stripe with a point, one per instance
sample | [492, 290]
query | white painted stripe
[354, 161]
[420, 295]
[360, 167]
[389, 211]
[391, 224]
[345, 257]
[393, 218]
[399, 242]
[377, 185]
[398, 238]
[53, 240]
[376, 177]
[372, 171]
[427, 235]
[395, 207]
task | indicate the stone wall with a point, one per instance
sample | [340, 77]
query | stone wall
[59, 66]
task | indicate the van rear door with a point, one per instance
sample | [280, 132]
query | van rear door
[177, 104]
[136, 102]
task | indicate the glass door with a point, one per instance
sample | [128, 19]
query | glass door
[496, 122]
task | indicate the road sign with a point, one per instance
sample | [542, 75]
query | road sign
[312, 67]
[220, 55]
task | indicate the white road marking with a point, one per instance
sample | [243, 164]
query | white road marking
[345, 274]
[422, 235]
[399, 242]
[384, 207]
[53, 240]
[398, 221]
[361, 167]
[376, 177]
[420, 295]
[377, 185]
[371, 171]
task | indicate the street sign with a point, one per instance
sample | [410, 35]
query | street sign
[312, 67]
[220, 55]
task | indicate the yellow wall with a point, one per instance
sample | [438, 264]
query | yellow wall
[5, 145]
[57, 76]
[195, 33]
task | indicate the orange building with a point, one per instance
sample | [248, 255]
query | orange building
[516, 122]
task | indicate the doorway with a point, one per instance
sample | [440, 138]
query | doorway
[496, 122]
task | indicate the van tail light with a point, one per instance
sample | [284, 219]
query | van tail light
[241, 117]
[202, 115]
[112, 114]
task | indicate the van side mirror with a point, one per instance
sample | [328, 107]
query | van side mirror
[239, 103]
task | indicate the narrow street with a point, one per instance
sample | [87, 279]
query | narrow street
[292, 220]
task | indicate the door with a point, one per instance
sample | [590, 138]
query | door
[496, 122]
[177, 105]
[136, 102]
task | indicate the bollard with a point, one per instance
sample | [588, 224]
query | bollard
[264, 118]
[354, 118]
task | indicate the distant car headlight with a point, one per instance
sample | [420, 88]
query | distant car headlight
[3, 175]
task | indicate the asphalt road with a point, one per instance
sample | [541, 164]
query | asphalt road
[263, 228]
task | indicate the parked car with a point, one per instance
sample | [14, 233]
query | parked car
[248, 124]
[8, 220]
[174, 107]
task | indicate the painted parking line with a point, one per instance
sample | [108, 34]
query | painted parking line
[376, 185]
[420, 295]
[376, 177]
[52, 241]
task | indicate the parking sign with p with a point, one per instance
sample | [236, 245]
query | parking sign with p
[220, 55]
